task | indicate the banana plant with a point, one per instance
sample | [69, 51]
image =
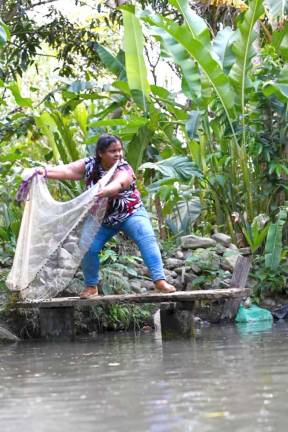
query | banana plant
[134, 59]
[273, 246]
[183, 46]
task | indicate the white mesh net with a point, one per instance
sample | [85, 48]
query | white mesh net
[54, 236]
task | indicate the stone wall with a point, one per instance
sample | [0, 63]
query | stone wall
[199, 262]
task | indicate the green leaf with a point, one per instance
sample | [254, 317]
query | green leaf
[120, 122]
[123, 87]
[78, 86]
[279, 87]
[273, 246]
[192, 124]
[134, 59]
[21, 101]
[135, 148]
[81, 115]
[280, 41]
[243, 49]
[4, 33]
[160, 91]
[66, 135]
[113, 63]
[176, 167]
[222, 48]
[197, 26]
[184, 47]
[47, 125]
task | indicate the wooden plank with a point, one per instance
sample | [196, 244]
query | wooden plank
[153, 297]
[241, 272]
[239, 280]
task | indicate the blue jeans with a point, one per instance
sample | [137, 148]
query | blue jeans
[138, 228]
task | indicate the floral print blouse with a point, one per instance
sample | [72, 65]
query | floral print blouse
[122, 205]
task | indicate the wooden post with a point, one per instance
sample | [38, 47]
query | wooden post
[238, 280]
[177, 320]
[57, 323]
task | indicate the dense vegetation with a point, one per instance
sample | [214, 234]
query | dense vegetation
[210, 155]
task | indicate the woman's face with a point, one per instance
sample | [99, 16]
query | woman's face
[112, 154]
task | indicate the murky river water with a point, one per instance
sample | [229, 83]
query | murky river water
[228, 379]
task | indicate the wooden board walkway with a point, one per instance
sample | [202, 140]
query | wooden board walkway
[176, 309]
[152, 297]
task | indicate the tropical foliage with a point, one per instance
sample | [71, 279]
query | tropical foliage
[210, 154]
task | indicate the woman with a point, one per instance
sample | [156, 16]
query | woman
[125, 211]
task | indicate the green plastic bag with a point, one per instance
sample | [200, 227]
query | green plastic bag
[252, 314]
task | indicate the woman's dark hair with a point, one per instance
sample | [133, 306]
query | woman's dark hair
[103, 143]
[101, 146]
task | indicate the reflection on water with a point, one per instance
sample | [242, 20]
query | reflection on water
[227, 379]
[254, 327]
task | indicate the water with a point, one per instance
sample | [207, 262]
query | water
[228, 379]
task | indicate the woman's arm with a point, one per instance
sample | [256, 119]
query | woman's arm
[121, 181]
[72, 171]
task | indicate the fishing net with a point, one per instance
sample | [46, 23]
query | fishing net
[53, 238]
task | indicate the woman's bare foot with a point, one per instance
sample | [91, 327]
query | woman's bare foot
[164, 287]
[89, 291]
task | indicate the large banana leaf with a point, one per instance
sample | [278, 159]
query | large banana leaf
[113, 63]
[179, 168]
[66, 135]
[183, 47]
[135, 148]
[191, 82]
[47, 126]
[222, 48]
[273, 246]
[195, 23]
[243, 48]
[59, 135]
[134, 59]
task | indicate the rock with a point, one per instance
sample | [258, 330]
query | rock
[142, 271]
[220, 249]
[170, 280]
[179, 285]
[136, 285]
[229, 259]
[7, 336]
[172, 263]
[247, 303]
[233, 247]
[205, 259]
[170, 273]
[179, 254]
[71, 247]
[216, 283]
[221, 238]
[65, 259]
[245, 251]
[147, 284]
[194, 242]
[188, 277]
[268, 302]
[190, 287]
[225, 283]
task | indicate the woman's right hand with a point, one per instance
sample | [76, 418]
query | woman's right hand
[42, 171]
